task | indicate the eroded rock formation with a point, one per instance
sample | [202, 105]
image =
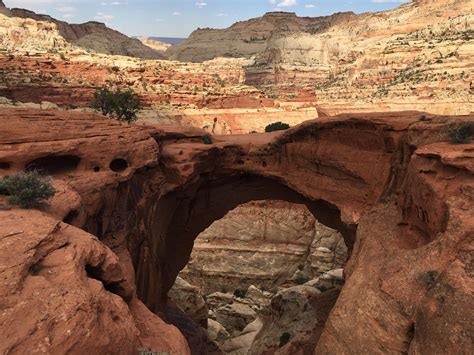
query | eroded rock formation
[264, 244]
[400, 195]
[291, 69]
[416, 56]
[93, 35]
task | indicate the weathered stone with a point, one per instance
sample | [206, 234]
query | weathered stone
[188, 298]
[235, 317]
[396, 189]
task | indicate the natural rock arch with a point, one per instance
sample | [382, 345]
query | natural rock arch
[184, 213]
[409, 192]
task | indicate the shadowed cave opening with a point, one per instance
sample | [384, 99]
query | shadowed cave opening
[118, 165]
[54, 164]
[186, 212]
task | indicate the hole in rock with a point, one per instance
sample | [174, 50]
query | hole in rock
[71, 216]
[4, 165]
[263, 258]
[184, 213]
[113, 287]
[54, 164]
[96, 169]
[118, 165]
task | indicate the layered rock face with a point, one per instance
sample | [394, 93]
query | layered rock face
[391, 184]
[21, 34]
[413, 57]
[263, 244]
[92, 35]
[210, 96]
[294, 69]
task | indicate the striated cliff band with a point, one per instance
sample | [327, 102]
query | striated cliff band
[78, 272]
[278, 67]
[417, 56]
[93, 35]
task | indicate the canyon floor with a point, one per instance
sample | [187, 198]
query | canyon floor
[193, 231]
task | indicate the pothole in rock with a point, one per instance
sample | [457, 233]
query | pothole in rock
[262, 278]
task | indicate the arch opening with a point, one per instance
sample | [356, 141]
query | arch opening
[188, 211]
[182, 214]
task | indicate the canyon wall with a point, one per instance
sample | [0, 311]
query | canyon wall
[391, 184]
[414, 57]
[290, 69]
[91, 36]
[265, 244]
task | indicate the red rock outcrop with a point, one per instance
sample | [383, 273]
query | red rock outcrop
[400, 195]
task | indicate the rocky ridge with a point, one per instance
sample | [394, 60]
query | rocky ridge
[90, 36]
[397, 60]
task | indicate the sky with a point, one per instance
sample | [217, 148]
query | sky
[178, 18]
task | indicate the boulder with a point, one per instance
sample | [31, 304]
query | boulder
[235, 317]
[188, 298]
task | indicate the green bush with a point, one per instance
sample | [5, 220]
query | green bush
[240, 293]
[461, 133]
[428, 278]
[207, 139]
[122, 105]
[26, 189]
[276, 126]
[301, 277]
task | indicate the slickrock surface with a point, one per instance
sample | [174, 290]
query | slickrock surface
[263, 244]
[390, 183]
[62, 290]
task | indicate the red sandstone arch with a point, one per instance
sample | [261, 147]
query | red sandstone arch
[191, 209]
[394, 175]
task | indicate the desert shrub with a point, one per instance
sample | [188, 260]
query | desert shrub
[301, 278]
[323, 288]
[207, 139]
[122, 105]
[284, 339]
[240, 292]
[276, 126]
[461, 133]
[428, 277]
[26, 189]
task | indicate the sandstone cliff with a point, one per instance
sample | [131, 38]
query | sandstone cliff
[417, 56]
[263, 244]
[92, 35]
[154, 44]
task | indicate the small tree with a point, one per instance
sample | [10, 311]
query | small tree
[240, 292]
[27, 189]
[276, 126]
[122, 105]
[207, 139]
[461, 133]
